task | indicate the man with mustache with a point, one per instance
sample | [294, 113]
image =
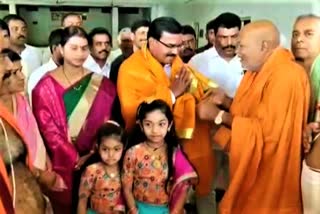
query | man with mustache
[55, 60]
[31, 56]
[100, 43]
[189, 43]
[157, 72]
[220, 62]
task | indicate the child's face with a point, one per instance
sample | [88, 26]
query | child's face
[110, 150]
[155, 126]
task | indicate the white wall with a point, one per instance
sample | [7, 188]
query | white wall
[281, 12]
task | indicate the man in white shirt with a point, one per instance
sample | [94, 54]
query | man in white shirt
[220, 63]
[55, 60]
[31, 56]
[100, 42]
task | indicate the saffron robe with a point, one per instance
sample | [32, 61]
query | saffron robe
[269, 112]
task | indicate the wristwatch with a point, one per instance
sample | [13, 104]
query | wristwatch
[218, 119]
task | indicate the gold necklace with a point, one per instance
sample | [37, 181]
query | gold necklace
[111, 175]
[156, 158]
[70, 83]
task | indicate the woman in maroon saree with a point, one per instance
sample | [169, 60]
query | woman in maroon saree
[70, 103]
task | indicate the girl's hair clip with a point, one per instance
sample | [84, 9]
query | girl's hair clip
[113, 122]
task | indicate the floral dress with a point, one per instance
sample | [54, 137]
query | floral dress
[104, 190]
[148, 173]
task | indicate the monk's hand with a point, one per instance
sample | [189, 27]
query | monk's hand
[219, 97]
[207, 109]
[181, 82]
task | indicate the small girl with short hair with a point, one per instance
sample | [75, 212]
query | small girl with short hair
[156, 174]
[101, 181]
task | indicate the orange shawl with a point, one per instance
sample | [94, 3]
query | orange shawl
[145, 75]
[269, 112]
[142, 78]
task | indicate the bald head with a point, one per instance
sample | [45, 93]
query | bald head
[257, 41]
[263, 31]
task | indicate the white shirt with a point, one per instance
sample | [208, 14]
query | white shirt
[32, 57]
[93, 66]
[227, 74]
[36, 76]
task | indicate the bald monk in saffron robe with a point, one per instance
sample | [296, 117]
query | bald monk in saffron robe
[263, 130]
[156, 72]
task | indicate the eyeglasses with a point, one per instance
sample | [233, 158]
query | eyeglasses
[171, 46]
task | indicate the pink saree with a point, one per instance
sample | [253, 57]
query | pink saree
[37, 154]
[30, 131]
[184, 176]
[51, 114]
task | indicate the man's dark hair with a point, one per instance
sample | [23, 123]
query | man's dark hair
[227, 20]
[96, 31]
[163, 24]
[67, 15]
[210, 25]
[55, 38]
[13, 17]
[188, 29]
[4, 26]
[138, 24]
[12, 55]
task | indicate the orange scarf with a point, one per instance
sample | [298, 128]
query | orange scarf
[184, 110]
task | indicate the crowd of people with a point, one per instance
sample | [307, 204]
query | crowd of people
[159, 122]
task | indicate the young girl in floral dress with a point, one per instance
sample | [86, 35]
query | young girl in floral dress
[156, 174]
[101, 181]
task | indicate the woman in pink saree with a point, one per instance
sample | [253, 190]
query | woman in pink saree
[69, 104]
[156, 174]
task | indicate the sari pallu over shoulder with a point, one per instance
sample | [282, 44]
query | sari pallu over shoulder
[50, 112]
[93, 108]
[183, 172]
